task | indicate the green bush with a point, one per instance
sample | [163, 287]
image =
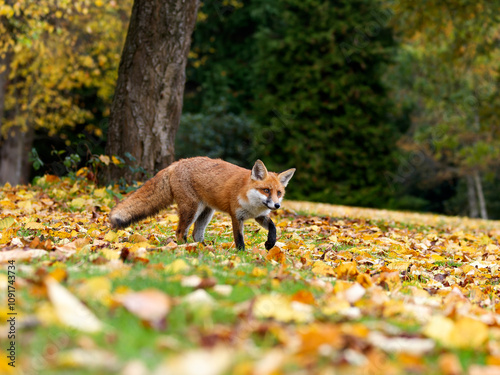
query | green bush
[320, 101]
[215, 133]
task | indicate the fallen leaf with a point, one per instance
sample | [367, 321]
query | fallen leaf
[281, 308]
[214, 361]
[322, 269]
[95, 359]
[199, 298]
[414, 346]
[33, 225]
[449, 364]
[465, 333]
[276, 254]
[70, 311]
[19, 254]
[315, 337]
[177, 266]
[150, 305]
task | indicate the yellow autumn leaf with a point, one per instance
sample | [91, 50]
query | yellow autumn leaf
[7, 222]
[282, 309]
[464, 333]
[25, 205]
[8, 205]
[111, 236]
[136, 238]
[100, 193]
[104, 159]
[437, 258]
[6, 10]
[468, 333]
[259, 272]
[77, 203]
[170, 219]
[322, 269]
[177, 266]
[134, 247]
[110, 254]
[399, 266]
[7, 235]
[71, 311]
[97, 289]
[34, 225]
[115, 160]
[346, 270]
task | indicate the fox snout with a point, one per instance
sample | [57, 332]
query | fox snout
[272, 205]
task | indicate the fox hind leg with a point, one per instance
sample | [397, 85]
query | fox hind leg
[201, 224]
[188, 214]
[239, 239]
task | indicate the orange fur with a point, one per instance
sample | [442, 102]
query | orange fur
[201, 185]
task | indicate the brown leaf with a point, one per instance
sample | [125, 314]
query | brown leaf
[21, 254]
[346, 270]
[136, 238]
[304, 296]
[322, 269]
[315, 336]
[449, 364]
[150, 305]
[276, 254]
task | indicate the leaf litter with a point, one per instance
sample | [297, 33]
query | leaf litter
[344, 291]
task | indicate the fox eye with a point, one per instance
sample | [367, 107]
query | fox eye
[279, 193]
[266, 191]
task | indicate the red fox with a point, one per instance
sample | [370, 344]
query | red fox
[200, 186]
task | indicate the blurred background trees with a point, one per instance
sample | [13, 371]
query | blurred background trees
[385, 104]
[59, 68]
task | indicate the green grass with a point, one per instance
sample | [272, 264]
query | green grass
[131, 339]
[252, 274]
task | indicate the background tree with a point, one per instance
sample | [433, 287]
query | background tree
[148, 98]
[53, 54]
[450, 51]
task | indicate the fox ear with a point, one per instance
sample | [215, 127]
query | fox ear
[259, 171]
[285, 176]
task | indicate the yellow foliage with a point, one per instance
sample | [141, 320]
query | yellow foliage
[56, 48]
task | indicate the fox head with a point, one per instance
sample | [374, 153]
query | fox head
[268, 188]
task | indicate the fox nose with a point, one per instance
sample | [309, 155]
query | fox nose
[277, 205]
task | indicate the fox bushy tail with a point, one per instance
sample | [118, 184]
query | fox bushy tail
[148, 200]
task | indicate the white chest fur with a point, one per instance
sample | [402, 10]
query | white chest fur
[253, 206]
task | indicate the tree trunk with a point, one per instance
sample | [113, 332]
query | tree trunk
[4, 80]
[14, 151]
[15, 144]
[480, 195]
[147, 105]
[471, 195]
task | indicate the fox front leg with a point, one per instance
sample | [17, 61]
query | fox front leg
[267, 223]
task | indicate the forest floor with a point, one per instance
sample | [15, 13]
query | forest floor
[344, 291]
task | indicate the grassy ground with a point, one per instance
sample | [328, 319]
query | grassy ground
[345, 291]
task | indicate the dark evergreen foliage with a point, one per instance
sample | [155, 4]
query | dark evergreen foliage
[321, 103]
[310, 73]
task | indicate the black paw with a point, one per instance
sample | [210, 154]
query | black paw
[269, 244]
